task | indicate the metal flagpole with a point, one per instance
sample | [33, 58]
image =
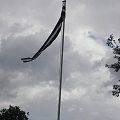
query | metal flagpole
[61, 65]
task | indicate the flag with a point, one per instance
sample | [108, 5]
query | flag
[52, 36]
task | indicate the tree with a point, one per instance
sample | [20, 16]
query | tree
[116, 90]
[116, 50]
[13, 113]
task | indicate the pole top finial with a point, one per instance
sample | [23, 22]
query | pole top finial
[64, 1]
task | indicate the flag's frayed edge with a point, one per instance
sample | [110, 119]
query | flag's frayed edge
[26, 59]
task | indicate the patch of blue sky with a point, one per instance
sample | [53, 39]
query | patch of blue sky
[93, 37]
[98, 38]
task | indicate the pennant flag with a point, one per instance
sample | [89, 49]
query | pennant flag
[52, 36]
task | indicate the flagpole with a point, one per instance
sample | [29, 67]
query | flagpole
[61, 67]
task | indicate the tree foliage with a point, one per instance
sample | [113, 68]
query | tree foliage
[116, 90]
[13, 113]
[111, 42]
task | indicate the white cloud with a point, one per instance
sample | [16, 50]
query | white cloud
[87, 84]
[72, 108]
[74, 94]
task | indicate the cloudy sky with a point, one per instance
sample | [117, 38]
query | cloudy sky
[87, 83]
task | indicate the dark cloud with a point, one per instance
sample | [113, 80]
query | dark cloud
[12, 50]
[25, 25]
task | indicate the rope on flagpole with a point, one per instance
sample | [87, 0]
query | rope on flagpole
[61, 67]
